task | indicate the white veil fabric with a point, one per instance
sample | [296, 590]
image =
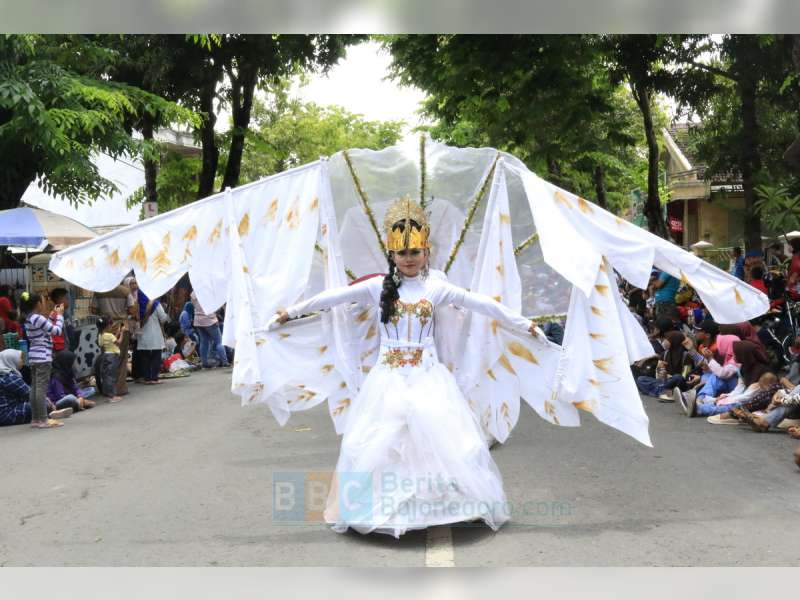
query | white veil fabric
[497, 229]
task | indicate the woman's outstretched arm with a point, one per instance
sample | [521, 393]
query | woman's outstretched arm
[358, 292]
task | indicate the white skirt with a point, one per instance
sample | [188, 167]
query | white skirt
[413, 454]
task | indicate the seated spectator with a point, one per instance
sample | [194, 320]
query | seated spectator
[784, 405]
[717, 378]
[186, 320]
[672, 368]
[63, 390]
[753, 364]
[744, 331]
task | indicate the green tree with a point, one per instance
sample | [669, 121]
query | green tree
[748, 106]
[287, 132]
[57, 108]
[639, 61]
[546, 99]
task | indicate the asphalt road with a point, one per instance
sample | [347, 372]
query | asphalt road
[180, 474]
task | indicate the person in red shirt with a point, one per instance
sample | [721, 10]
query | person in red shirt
[757, 279]
[793, 274]
[7, 312]
[59, 296]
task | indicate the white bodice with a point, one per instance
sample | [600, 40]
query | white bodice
[414, 321]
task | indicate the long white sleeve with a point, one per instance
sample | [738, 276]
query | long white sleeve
[359, 292]
[486, 306]
[725, 372]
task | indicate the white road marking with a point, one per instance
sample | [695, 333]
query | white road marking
[439, 547]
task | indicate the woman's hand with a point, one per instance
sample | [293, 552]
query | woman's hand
[282, 315]
[535, 331]
[707, 353]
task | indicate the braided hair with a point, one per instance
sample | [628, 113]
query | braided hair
[389, 295]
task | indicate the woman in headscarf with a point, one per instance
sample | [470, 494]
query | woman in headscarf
[744, 331]
[721, 370]
[151, 337]
[673, 366]
[754, 375]
[15, 406]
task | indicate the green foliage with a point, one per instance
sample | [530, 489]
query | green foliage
[778, 208]
[546, 99]
[286, 133]
[176, 182]
[58, 108]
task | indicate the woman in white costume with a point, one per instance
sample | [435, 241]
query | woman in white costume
[413, 454]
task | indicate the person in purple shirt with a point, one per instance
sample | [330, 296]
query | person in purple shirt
[63, 391]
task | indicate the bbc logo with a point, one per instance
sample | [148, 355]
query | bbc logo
[301, 497]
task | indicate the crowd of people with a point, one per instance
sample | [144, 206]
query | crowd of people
[728, 373]
[137, 341]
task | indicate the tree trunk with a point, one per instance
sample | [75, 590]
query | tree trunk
[652, 207]
[600, 186]
[208, 140]
[12, 189]
[243, 85]
[150, 165]
[749, 160]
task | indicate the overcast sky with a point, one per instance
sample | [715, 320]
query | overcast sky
[358, 83]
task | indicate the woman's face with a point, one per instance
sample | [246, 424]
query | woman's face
[20, 361]
[410, 262]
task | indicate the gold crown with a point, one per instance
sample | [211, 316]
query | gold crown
[404, 210]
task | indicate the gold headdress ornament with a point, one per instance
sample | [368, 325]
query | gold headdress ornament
[408, 237]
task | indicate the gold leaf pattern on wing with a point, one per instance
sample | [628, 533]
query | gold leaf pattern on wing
[562, 199]
[584, 405]
[684, 279]
[739, 299]
[594, 382]
[323, 229]
[494, 326]
[292, 218]
[365, 369]
[498, 298]
[550, 410]
[245, 269]
[70, 264]
[619, 221]
[585, 207]
[604, 364]
[490, 373]
[167, 239]
[283, 336]
[322, 349]
[597, 336]
[603, 265]
[522, 352]
[341, 406]
[505, 218]
[342, 385]
[89, 263]
[216, 233]
[113, 258]
[314, 204]
[596, 311]
[244, 225]
[367, 353]
[261, 342]
[138, 256]
[362, 316]
[506, 364]
[272, 211]
[161, 262]
[190, 234]
[602, 289]
[500, 269]
[373, 331]
[327, 368]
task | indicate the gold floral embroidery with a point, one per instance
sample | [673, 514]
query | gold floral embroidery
[423, 310]
[397, 357]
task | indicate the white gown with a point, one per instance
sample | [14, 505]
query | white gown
[413, 454]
